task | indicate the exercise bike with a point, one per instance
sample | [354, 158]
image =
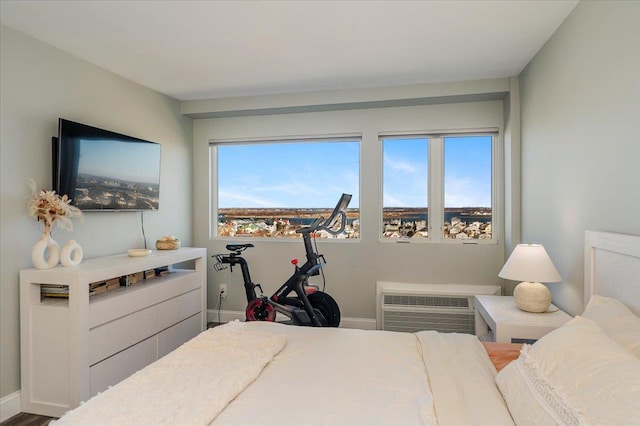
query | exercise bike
[309, 306]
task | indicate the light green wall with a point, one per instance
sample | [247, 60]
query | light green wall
[352, 267]
[39, 84]
[580, 111]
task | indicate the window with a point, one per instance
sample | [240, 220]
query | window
[405, 183]
[468, 187]
[270, 189]
[438, 187]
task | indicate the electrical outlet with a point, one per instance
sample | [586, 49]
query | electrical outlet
[223, 291]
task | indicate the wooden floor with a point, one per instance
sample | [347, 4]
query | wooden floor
[24, 419]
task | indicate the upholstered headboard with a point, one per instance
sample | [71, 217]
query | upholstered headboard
[612, 267]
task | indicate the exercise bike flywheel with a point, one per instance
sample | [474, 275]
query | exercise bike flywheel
[260, 310]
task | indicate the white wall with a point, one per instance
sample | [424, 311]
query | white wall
[39, 84]
[580, 106]
[352, 267]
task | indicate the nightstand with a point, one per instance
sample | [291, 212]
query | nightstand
[498, 319]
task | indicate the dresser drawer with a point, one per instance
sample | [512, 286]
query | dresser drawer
[180, 307]
[120, 302]
[173, 337]
[123, 364]
[114, 336]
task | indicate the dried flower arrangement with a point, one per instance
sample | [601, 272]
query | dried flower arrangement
[51, 208]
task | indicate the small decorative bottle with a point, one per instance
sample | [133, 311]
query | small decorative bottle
[71, 254]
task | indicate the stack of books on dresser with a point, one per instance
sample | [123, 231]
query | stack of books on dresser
[101, 286]
[54, 290]
[98, 287]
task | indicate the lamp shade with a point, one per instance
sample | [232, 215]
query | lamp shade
[530, 262]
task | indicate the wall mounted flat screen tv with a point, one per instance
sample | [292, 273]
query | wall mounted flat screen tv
[103, 170]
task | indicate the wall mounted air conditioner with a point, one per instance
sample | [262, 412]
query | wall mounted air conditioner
[442, 307]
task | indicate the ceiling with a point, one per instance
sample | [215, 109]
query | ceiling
[216, 49]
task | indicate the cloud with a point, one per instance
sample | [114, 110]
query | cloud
[391, 201]
[400, 166]
[465, 192]
[237, 199]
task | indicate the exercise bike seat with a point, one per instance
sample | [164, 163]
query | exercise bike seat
[238, 247]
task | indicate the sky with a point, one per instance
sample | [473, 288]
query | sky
[312, 174]
[467, 176]
[315, 174]
[467, 171]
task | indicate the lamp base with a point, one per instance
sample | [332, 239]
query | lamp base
[532, 297]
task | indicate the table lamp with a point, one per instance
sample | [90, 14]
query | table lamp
[531, 264]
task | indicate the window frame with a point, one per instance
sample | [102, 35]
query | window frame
[214, 179]
[436, 188]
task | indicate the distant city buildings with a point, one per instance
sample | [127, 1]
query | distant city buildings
[455, 228]
[249, 227]
[470, 223]
[98, 193]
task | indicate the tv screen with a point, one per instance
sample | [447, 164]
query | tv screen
[103, 170]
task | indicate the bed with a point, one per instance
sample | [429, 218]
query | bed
[586, 372]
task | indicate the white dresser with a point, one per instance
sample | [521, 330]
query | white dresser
[72, 348]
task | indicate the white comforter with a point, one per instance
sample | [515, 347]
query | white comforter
[190, 386]
[322, 376]
[462, 380]
[328, 376]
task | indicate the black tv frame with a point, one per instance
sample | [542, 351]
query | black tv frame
[56, 164]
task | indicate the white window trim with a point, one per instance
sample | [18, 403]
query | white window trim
[213, 180]
[436, 186]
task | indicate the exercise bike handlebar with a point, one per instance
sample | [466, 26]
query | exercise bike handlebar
[337, 218]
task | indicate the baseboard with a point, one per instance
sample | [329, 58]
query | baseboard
[213, 315]
[360, 323]
[346, 322]
[10, 405]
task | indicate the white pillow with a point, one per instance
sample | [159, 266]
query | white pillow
[575, 375]
[616, 320]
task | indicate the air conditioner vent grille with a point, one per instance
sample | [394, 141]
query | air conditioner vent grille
[431, 301]
[412, 322]
[447, 308]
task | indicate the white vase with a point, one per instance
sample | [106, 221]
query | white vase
[71, 254]
[38, 254]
